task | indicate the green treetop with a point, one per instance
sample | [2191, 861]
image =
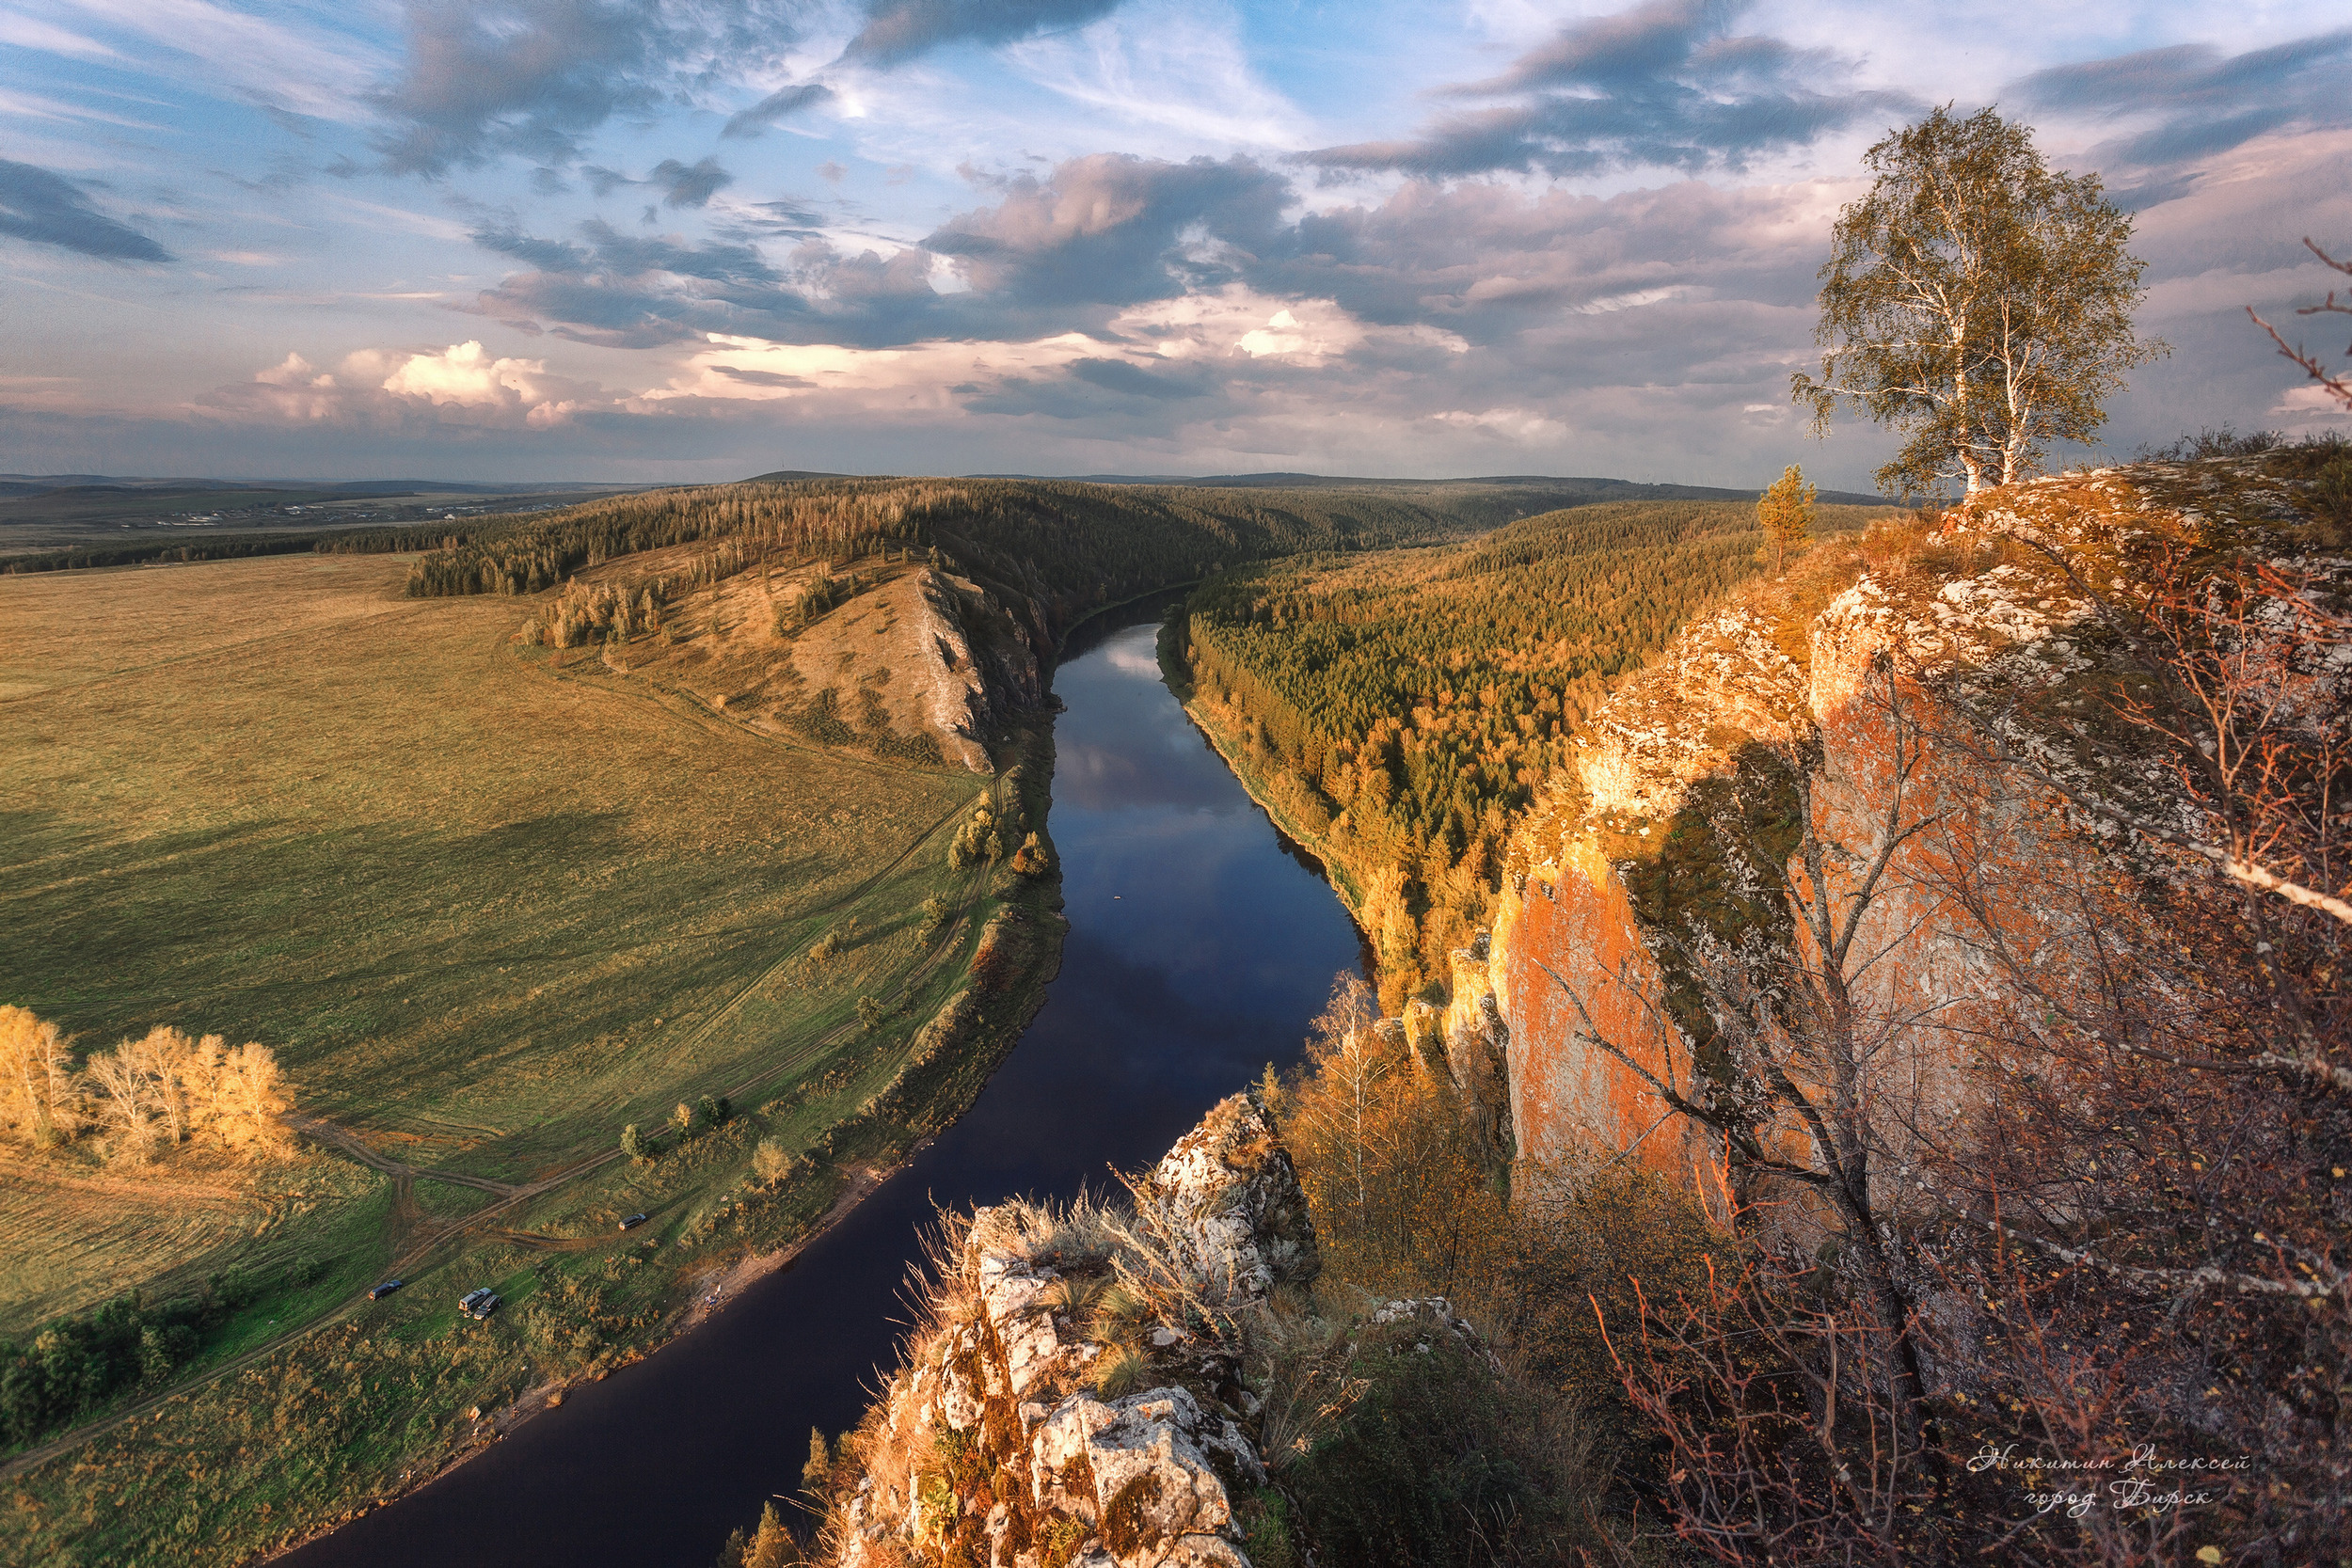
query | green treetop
[1977, 301]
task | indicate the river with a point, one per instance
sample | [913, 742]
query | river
[1200, 943]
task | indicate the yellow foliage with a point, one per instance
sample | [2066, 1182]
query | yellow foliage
[1785, 512]
[40, 1096]
[162, 1090]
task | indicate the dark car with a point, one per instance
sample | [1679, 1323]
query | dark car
[480, 1303]
[634, 1221]
[386, 1289]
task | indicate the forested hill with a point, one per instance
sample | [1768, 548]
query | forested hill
[1555, 491]
[1398, 711]
[1064, 547]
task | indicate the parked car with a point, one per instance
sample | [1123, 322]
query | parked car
[480, 1303]
[634, 1221]
[386, 1289]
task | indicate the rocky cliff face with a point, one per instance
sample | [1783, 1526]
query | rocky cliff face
[1077, 1397]
[1885, 679]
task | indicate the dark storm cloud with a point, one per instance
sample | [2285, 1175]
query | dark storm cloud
[1663, 84]
[2205, 102]
[775, 106]
[487, 77]
[39, 206]
[898, 30]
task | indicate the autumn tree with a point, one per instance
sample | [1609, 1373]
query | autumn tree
[770, 1160]
[1977, 301]
[1785, 512]
[42, 1098]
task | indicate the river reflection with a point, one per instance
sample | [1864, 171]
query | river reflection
[1199, 948]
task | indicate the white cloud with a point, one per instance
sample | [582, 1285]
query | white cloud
[462, 383]
[30, 32]
[1523, 425]
[1170, 66]
[289, 67]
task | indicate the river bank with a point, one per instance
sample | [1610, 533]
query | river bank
[1198, 947]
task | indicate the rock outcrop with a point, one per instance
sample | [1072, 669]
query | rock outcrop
[1888, 686]
[1077, 1399]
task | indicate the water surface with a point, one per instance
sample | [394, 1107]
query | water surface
[1201, 942]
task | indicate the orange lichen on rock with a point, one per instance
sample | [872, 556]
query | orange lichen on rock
[1890, 670]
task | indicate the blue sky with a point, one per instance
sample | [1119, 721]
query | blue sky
[696, 239]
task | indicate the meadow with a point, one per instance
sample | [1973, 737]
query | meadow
[489, 903]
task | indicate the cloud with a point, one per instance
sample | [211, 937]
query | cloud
[1056, 255]
[487, 77]
[462, 385]
[1115, 230]
[2202, 101]
[39, 206]
[898, 30]
[777, 106]
[685, 186]
[1664, 85]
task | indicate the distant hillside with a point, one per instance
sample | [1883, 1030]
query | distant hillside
[1055, 547]
[1558, 492]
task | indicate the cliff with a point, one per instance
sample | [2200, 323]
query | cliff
[1940, 704]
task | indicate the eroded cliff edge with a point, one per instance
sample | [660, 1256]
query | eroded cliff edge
[1941, 699]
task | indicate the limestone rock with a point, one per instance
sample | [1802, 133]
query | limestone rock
[1230, 1201]
[990, 1447]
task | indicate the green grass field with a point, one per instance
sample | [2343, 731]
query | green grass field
[489, 903]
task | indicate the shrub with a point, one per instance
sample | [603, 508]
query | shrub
[1441, 1460]
[770, 1160]
[870, 1014]
[1030, 859]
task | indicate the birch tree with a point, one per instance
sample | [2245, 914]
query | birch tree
[40, 1095]
[1977, 301]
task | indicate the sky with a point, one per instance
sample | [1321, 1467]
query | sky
[693, 240]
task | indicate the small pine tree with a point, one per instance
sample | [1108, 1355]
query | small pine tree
[1276, 1098]
[870, 1014]
[633, 1143]
[710, 1111]
[773, 1545]
[818, 1473]
[1785, 512]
